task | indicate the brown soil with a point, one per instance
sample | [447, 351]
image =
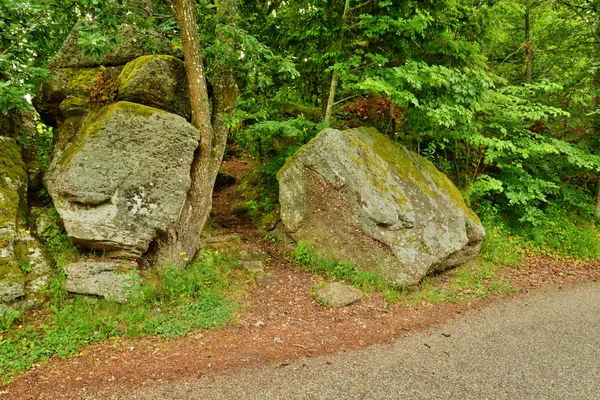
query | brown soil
[280, 323]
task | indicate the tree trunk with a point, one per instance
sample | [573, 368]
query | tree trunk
[528, 45]
[595, 104]
[331, 99]
[334, 75]
[181, 242]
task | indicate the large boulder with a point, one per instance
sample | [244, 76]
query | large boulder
[124, 178]
[133, 44]
[358, 196]
[21, 126]
[156, 81]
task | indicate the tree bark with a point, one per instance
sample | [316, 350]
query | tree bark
[334, 75]
[528, 45]
[596, 103]
[331, 98]
[182, 241]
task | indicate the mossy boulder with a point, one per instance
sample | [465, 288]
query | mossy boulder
[124, 177]
[21, 126]
[134, 43]
[358, 196]
[37, 267]
[156, 81]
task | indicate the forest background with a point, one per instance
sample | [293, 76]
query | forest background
[502, 96]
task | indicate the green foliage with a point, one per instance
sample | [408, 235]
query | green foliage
[271, 142]
[487, 131]
[471, 281]
[169, 304]
[558, 233]
[309, 260]
[7, 317]
[37, 147]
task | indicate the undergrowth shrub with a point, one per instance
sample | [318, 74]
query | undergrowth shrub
[557, 233]
[270, 142]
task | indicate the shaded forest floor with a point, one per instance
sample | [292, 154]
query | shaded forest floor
[275, 324]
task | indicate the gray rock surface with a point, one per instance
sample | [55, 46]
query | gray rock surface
[124, 179]
[20, 125]
[134, 43]
[253, 266]
[38, 267]
[358, 196]
[156, 81]
[337, 294]
[65, 94]
[114, 280]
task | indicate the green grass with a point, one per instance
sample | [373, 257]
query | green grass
[168, 305]
[474, 280]
[310, 261]
[480, 278]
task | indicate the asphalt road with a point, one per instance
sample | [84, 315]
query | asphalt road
[535, 346]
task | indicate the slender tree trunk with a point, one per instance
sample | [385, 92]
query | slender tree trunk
[331, 98]
[528, 45]
[181, 242]
[596, 103]
[334, 75]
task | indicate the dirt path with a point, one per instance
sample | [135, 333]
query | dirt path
[281, 323]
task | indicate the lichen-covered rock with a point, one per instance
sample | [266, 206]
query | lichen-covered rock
[358, 196]
[115, 281]
[156, 81]
[134, 43]
[124, 179]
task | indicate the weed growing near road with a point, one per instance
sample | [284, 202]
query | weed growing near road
[169, 304]
[309, 260]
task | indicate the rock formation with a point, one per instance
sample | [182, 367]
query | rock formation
[358, 196]
[124, 179]
[122, 155]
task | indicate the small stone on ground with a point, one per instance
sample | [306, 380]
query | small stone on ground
[337, 294]
[266, 280]
[253, 266]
